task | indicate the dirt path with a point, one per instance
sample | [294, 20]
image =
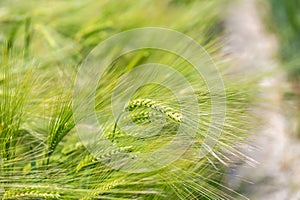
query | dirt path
[277, 174]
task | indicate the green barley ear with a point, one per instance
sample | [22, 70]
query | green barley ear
[141, 116]
[60, 125]
[113, 132]
[103, 156]
[15, 87]
[103, 188]
[30, 193]
[148, 103]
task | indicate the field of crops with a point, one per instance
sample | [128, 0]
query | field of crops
[128, 99]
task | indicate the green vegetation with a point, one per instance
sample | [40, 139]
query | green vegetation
[285, 23]
[41, 156]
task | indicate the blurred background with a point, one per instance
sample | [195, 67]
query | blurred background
[264, 36]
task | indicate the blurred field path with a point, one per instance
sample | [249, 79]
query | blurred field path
[277, 174]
